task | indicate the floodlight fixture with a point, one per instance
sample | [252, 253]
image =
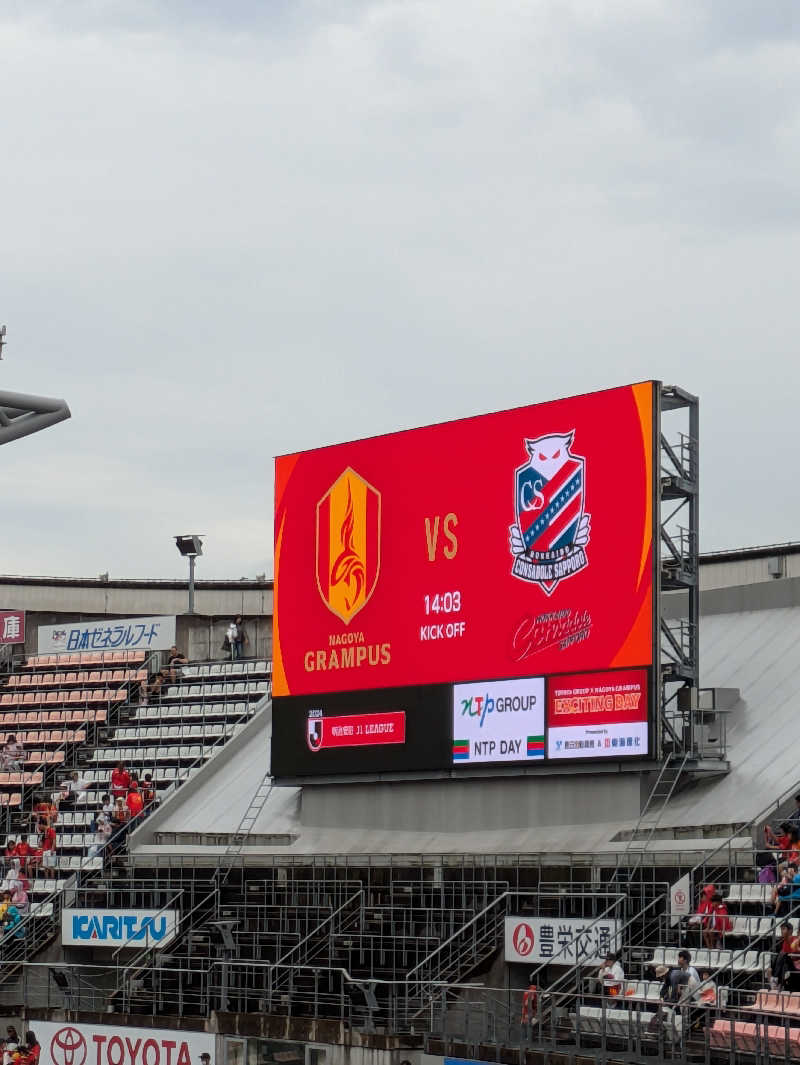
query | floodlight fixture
[190, 545]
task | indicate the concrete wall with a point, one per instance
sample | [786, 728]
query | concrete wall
[51, 601]
[474, 805]
[748, 570]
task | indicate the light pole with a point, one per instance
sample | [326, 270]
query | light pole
[190, 546]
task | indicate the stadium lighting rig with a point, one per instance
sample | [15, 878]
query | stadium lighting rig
[22, 415]
[190, 545]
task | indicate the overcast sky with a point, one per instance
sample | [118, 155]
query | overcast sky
[233, 229]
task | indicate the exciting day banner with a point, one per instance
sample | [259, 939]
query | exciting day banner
[501, 546]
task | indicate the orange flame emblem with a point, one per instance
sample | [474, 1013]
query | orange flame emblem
[348, 544]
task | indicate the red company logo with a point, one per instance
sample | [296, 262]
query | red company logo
[522, 939]
[68, 1047]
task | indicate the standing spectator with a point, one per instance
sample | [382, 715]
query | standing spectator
[19, 897]
[26, 855]
[701, 918]
[719, 923]
[119, 824]
[175, 659]
[134, 801]
[32, 1050]
[240, 639]
[49, 857]
[120, 781]
[45, 813]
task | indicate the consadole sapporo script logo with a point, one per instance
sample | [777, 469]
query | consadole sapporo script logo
[551, 531]
[68, 1047]
[348, 544]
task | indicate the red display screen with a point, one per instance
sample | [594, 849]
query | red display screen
[506, 545]
[598, 715]
[356, 730]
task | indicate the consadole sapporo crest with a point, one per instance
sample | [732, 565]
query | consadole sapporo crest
[549, 537]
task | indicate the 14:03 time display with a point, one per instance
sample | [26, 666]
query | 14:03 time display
[443, 603]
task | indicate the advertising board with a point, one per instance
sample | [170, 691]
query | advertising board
[12, 626]
[563, 940]
[117, 928]
[498, 721]
[74, 1043]
[380, 731]
[507, 545]
[108, 634]
[598, 715]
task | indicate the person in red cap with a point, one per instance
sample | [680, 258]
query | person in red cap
[703, 916]
[134, 801]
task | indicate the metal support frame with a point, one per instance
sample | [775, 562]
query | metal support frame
[22, 415]
[679, 568]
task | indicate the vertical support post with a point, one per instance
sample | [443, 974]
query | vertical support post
[191, 584]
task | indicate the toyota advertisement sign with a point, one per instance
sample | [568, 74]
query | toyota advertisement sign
[562, 940]
[65, 1043]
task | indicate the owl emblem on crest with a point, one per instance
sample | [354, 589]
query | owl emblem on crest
[549, 536]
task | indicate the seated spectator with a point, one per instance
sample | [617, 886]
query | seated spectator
[174, 660]
[683, 979]
[10, 922]
[783, 890]
[19, 897]
[11, 850]
[148, 790]
[612, 976]
[719, 923]
[5, 902]
[134, 801]
[157, 683]
[120, 781]
[13, 755]
[71, 789]
[119, 825]
[765, 863]
[49, 857]
[26, 855]
[106, 806]
[785, 961]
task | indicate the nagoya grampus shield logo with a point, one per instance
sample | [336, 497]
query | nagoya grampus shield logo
[348, 544]
[549, 537]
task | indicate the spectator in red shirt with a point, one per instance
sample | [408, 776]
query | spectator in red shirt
[26, 854]
[702, 917]
[120, 781]
[718, 923]
[134, 801]
[49, 858]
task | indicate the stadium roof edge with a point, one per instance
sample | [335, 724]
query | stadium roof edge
[733, 554]
[95, 582]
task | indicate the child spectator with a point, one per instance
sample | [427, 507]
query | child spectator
[106, 806]
[120, 781]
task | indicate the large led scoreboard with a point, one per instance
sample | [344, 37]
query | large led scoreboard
[471, 594]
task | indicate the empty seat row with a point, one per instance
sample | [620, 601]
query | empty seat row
[48, 718]
[11, 780]
[239, 687]
[128, 734]
[754, 927]
[642, 990]
[46, 737]
[70, 698]
[749, 962]
[239, 667]
[182, 753]
[780, 1040]
[78, 660]
[186, 710]
[749, 893]
[776, 1002]
[71, 679]
[42, 757]
[624, 1024]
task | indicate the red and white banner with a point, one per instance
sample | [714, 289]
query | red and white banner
[356, 730]
[12, 626]
[597, 715]
[67, 1043]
